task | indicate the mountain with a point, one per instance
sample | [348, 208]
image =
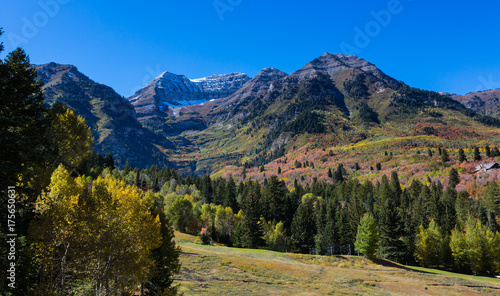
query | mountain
[333, 100]
[219, 123]
[171, 90]
[485, 102]
[111, 117]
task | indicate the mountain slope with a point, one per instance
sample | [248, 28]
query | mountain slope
[112, 118]
[485, 102]
[333, 100]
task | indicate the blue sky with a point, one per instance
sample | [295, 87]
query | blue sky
[448, 46]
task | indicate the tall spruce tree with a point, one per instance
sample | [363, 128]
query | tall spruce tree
[252, 228]
[390, 224]
[304, 227]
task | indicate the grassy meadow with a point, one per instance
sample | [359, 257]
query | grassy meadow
[219, 270]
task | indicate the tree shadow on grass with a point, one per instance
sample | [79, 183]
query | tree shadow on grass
[387, 263]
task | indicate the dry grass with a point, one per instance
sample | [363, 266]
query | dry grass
[219, 270]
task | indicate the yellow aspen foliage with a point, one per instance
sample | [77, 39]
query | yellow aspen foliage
[101, 232]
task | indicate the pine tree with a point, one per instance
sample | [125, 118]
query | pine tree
[166, 258]
[454, 178]
[253, 232]
[461, 155]
[495, 152]
[396, 187]
[448, 219]
[421, 208]
[23, 124]
[339, 174]
[487, 151]
[230, 196]
[109, 162]
[330, 174]
[390, 224]
[444, 155]
[429, 152]
[274, 200]
[477, 154]
[304, 227]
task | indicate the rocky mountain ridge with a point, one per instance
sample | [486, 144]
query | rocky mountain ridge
[484, 102]
[171, 90]
[111, 117]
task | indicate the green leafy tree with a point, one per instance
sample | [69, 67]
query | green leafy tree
[367, 237]
[103, 236]
[429, 247]
[180, 212]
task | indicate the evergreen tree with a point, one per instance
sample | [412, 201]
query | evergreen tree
[435, 203]
[340, 173]
[429, 152]
[109, 162]
[491, 198]
[230, 196]
[495, 152]
[274, 200]
[304, 227]
[253, 232]
[390, 224]
[454, 178]
[487, 151]
[463, 207]
[444, 155]
[477, 154]
[166, 258]
[461, 155]
[421, 208]
[396, 187]
[448, 218]
[206, 189]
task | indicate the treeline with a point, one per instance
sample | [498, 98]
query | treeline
[421, 224]
[66, 229]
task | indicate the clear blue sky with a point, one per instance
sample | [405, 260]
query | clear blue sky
[448, 46]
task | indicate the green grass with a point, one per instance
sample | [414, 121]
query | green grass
[457, 275]
[219, 270]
